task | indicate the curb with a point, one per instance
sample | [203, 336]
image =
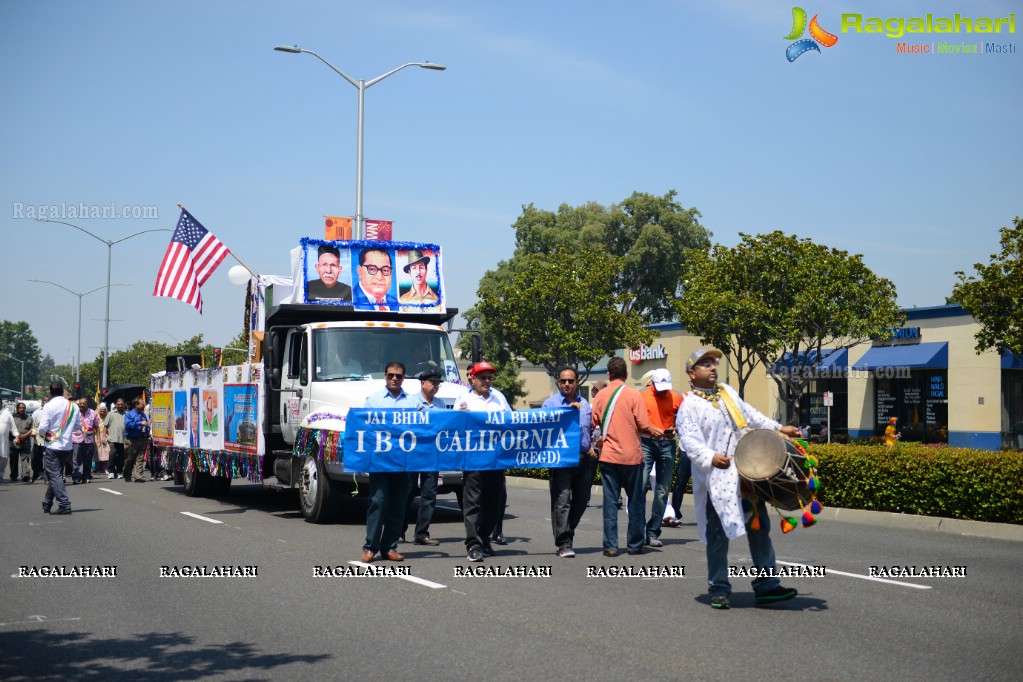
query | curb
[978, 529]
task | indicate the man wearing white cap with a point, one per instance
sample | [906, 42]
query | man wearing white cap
[662, 405]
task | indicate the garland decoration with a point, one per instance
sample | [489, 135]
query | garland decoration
[217, 463]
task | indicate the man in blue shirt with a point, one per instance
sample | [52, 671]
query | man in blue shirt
[387, 490]
[136, 433]
[570, 486]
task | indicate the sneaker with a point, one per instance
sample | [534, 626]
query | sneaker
[500, 539]
[775, 594]
[720, 601]
[62, 511]
[566, 552]
[654, 542]
[111, 476]
[475, 554]
[487, 550]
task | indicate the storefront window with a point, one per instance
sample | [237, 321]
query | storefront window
[1012, 408]
[920, 403]
[812, 410]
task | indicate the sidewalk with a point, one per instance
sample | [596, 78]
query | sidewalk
[979, 529]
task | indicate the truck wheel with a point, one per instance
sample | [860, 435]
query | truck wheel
[319, 496]
[196, 483]
[219, 486]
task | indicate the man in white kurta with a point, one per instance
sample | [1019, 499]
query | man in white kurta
[709, 434]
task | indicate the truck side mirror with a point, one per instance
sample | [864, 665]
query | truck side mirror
[476, 348]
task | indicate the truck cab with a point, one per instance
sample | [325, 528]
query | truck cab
[321, 361]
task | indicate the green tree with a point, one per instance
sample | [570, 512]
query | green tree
[18, 344]
[650, 234]
[716, 305]
[506, 378]
[556, 310]
[793, 302]
[994, 295]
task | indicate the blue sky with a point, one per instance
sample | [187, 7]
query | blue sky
[912, 161]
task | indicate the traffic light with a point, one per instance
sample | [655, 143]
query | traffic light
[78, 390]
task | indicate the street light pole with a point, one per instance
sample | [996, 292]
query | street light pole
[78, 364]
[359, 228]
[22, 394]
[110, 251]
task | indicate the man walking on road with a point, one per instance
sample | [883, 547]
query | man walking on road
[136, 432]
[662, 405]
[424, 481]
[710, 421]
[60, 417]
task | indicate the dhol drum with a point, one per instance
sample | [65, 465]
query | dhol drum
[774, 468]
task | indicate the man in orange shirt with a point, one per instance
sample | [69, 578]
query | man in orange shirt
[621, 415]
[662, 405]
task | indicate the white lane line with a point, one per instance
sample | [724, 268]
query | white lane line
[410, 578]
[112, 492]
[862, 577]
[201, 518]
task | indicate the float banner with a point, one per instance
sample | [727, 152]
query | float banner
[452, 440]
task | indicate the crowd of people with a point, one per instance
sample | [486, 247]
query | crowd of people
[633, 436]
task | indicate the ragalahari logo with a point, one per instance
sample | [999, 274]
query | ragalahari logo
[819, 35]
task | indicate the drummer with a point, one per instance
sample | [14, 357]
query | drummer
[710, 422]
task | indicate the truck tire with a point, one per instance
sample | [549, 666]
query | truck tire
[196, 483]
[219, 486]
[319, 496]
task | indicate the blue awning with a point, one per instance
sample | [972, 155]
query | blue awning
[916, 356]
[834, 360]
[1011, 361]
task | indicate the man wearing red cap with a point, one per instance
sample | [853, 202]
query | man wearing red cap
[481, 497]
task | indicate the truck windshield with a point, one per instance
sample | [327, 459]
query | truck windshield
[346, 353]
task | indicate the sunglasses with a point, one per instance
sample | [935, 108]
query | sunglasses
[392, 375]
[567, 381]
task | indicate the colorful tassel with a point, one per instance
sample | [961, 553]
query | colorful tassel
[811, 483]
[755, 523]
[808, 519]
[788, 524]
[815, 507]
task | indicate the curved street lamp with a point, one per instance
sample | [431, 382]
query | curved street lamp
[359, 228]
[106, 318]
[78, 364]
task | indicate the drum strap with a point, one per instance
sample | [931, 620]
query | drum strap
[733, 410]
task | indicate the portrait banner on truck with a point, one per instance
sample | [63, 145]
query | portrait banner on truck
[373, 275]
[162, 418]
[450, 440]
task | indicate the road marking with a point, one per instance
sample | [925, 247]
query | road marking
[112, 492]
[410, 578]
[201, 518]
[37, 619]
[862, 577]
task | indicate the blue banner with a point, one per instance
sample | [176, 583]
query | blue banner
[453, 440]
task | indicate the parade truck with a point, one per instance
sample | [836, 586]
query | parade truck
[279, 418]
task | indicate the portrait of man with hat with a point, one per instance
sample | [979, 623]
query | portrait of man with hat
[417, 268]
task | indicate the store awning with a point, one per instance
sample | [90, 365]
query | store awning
[1011, 361]
[916, 356]
[834, 360]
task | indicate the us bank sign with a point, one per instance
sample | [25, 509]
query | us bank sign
[638, 355]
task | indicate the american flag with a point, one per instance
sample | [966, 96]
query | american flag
[191, 258]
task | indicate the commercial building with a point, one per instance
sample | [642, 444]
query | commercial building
[929, 376]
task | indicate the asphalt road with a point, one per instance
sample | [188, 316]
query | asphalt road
[285, 623]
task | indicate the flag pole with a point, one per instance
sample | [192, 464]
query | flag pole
[251, 271]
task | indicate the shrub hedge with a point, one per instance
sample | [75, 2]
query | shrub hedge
[912, 478]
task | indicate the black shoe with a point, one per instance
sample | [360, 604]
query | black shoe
[720, 601]
[487, 550]
[62, 511]
[636, 551]
[611, 553]
[500, 539]
[775, 594]
[140, 480]
[475, 554]
[427, 541]
[402, 539]
[46, 510]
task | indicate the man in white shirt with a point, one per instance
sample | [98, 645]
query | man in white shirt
[60, 418]
[481, 499]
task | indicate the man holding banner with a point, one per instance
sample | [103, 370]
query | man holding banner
[481, 499]
[387, 489]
